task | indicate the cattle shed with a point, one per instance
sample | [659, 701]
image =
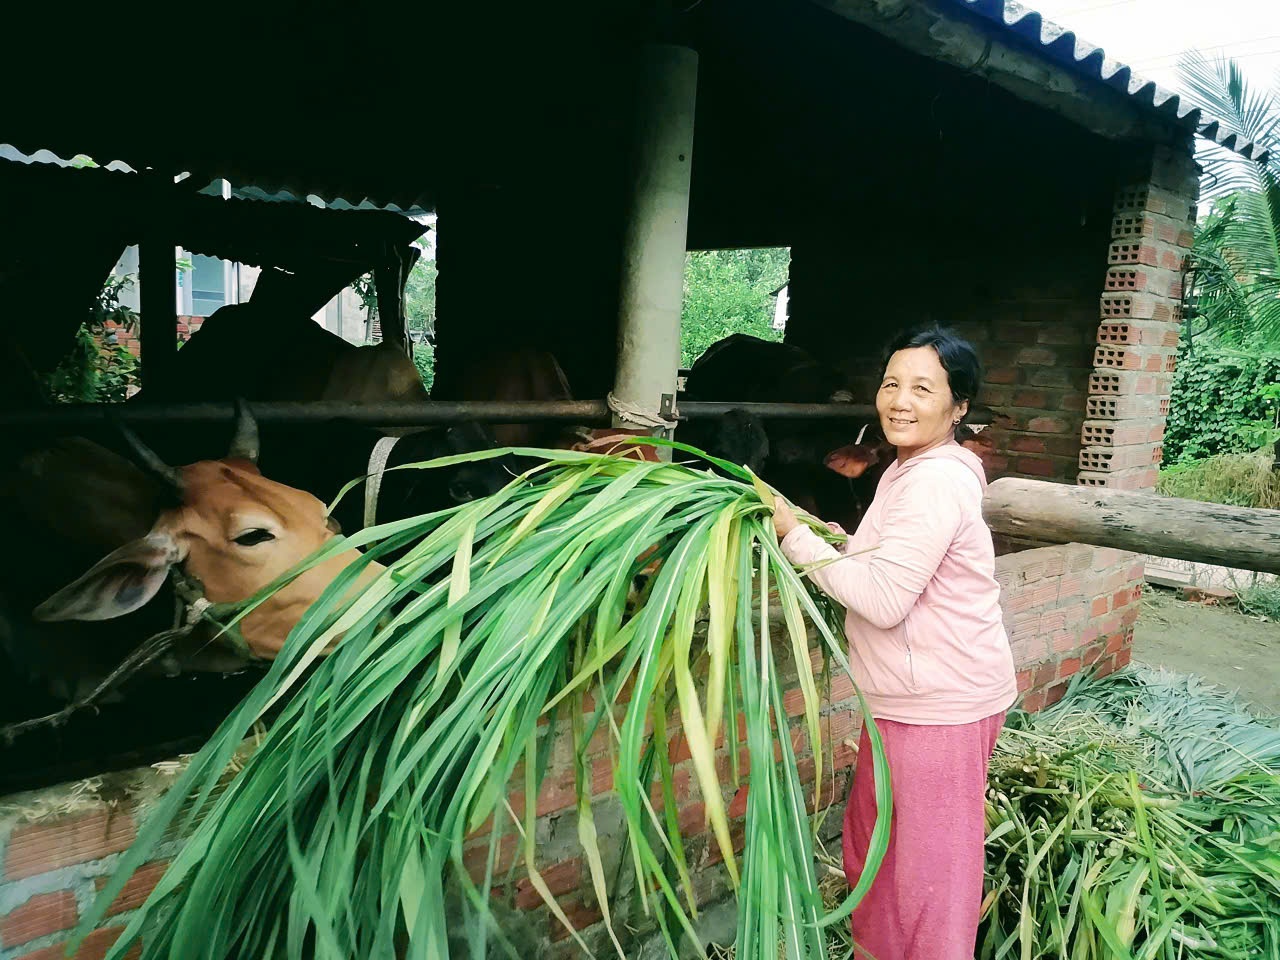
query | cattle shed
[925, 160]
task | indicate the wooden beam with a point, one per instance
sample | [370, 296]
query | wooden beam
[1143, 522]
[157, 287]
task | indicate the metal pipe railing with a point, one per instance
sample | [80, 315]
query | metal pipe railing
[587, 412]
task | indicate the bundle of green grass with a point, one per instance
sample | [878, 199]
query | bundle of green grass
[1137, 819]
[345, 827]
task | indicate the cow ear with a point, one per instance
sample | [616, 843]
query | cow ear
[120, 583]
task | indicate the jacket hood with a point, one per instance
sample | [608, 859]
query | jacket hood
[950, 451]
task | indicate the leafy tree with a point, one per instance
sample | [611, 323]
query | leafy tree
[420, 297]
[1237, 248]
[730, 291]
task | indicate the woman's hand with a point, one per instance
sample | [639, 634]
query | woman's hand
[784, 518]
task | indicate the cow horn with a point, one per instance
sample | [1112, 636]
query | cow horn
[244, 443]
[149, 460]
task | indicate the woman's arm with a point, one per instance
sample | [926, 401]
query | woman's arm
[919, 523]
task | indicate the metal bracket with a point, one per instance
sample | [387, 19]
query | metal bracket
[667, 409]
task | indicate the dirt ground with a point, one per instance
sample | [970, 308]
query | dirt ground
[1226, 647]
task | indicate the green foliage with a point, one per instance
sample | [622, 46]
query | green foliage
[424, 358]
[1260, 598]
[1135, 818]
[730, 291]
[1224, 401]
[420, 296]
[90, 373]
[1237, 249]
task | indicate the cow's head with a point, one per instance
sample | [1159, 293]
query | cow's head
[232, 529]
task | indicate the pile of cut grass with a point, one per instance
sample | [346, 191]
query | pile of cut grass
[1137, 819]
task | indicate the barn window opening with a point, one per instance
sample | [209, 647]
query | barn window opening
[733, 291]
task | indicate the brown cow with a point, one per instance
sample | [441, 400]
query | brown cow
[234, 531]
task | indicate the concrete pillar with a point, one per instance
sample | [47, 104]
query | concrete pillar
[653, 248]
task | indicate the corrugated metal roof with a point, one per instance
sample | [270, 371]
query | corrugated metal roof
[1062, 46]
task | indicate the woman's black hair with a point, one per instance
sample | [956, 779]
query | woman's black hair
[956, 354]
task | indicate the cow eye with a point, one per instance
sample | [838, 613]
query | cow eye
[251, 538]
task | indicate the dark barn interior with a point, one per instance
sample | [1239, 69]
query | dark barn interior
[916, 173]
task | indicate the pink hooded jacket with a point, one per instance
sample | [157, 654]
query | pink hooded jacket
[928, 644]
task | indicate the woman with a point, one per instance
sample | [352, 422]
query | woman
[929, 651]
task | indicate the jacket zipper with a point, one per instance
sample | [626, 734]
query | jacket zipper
[911, 663]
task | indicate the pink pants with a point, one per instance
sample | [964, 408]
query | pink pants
[925, 900]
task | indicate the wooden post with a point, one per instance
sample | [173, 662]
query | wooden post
[653, 250]
[1238, 537]
[389, 278]
[157, 288]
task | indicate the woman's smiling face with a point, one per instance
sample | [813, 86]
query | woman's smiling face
[917, 410]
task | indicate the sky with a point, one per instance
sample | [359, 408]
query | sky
[1150, 35]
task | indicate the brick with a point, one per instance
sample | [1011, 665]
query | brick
[1129, 383]
[1044, 674]
[1120, 305]
[580, 916]
[1052, 621]
[1070, 586]
[40, 847]
[561, 878]
[1048, 424]
[1069, 667]
[738, 805]
[1143, 478]
[1112, 433]
[1024, 681]
[1055, 693]
[94, 947]
[1042, 467]
[136, 889]
[1116, 459]
[692, 819]
[1034, 399]
[475, 857]
[1001, 375]
[1065, 641]
[1026, 444]
[1150, 333]
[40, 916]
[1027, 651]
[1105, 667]
[1037, 356]
[1143, 358]
[1100, 607]
[1123, 657]
[1033, 701]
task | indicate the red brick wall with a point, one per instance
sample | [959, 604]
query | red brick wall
[1068, 608]
[52, 869]
[129, 338]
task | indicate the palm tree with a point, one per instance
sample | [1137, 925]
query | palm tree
[1237, 248]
